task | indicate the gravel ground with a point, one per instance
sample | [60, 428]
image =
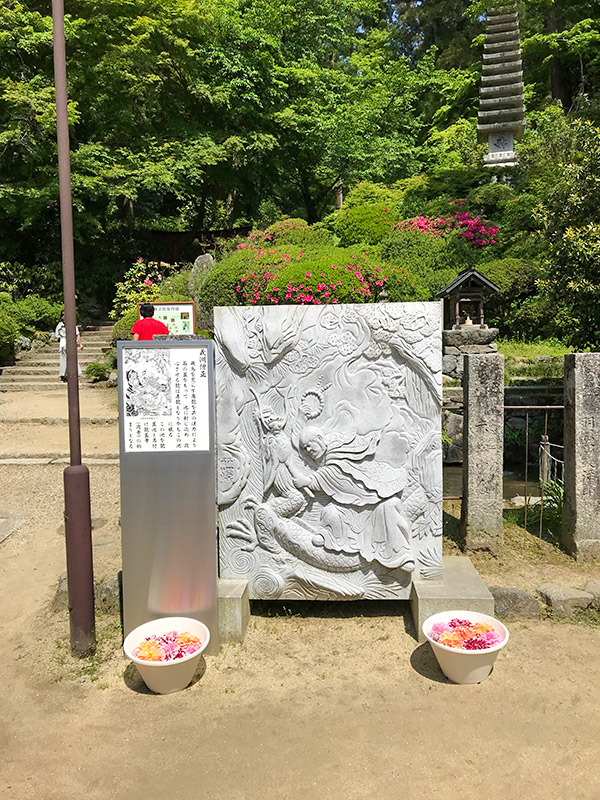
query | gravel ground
[321, 700]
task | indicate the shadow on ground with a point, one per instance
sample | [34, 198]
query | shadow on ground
[423, 661]
[134, 681]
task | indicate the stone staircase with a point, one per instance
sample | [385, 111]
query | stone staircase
[37, 370]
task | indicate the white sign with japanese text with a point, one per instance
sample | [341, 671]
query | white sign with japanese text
[166, 402]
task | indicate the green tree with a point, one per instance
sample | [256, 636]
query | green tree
[570, 218]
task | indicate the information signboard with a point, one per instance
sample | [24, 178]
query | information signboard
[180, 318]
[168, 500]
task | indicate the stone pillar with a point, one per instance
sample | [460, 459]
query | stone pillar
[581, 508]
[483, 450]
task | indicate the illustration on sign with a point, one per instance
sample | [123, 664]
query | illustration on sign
[165, 396]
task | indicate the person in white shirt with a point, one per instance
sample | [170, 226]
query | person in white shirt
[61, 334]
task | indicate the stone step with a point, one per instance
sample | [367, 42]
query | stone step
[25, 369]
[40, 355]
[31, 380]
[32, 377]
[52, 363]
[57, 386]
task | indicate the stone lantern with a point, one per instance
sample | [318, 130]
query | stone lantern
[465, 327]
[501, 117]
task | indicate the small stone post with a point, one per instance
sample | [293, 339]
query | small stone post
[483, 451]
[581, 508]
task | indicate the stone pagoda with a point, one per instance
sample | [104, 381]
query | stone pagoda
[501, 117]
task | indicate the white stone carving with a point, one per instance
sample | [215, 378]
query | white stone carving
[329, 448]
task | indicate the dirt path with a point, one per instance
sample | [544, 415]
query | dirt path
[330, 701]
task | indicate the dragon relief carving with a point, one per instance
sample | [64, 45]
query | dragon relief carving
[334, 502]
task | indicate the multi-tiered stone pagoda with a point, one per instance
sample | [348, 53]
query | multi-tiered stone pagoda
[501, 113]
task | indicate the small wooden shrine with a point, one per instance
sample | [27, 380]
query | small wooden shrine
[466, 294]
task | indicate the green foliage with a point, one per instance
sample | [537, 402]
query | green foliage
[122, 328]
[432, 261]
[294, 232]
[368, 193]
[140, 284]
[551, 348]
[366, 224]
[570, 217]
[189, 118]
[8, 334]
[36, 314]
[97, 372]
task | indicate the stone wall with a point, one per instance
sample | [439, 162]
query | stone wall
[461, 342]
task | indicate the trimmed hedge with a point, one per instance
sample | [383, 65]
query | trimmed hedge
[9, 331]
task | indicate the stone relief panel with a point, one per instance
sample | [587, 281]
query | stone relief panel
[329, 454]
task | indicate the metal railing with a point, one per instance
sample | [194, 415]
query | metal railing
[544, 443]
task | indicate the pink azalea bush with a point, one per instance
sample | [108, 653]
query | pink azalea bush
[470, 228]
[288, 275]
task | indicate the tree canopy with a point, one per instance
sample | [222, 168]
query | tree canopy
[188, 117]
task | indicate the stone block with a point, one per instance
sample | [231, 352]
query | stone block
[512, 603]
[563, 601]
[581, 509]
[453, 452]
[9, 522]
[469, 335]
[107, 596]
[60, 601]
[234, 609]
[593, 587]
[449, 364]
[452, 351]
[460, 589]
[453, 395]
[483, 450]
[476, 348]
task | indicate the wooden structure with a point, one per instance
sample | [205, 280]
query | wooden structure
[501, 117]
[466, 294]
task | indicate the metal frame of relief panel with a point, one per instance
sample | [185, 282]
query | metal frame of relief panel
[168, 507]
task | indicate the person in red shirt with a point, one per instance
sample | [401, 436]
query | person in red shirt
[147, 327]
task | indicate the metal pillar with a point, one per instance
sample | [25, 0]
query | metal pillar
[78, 523]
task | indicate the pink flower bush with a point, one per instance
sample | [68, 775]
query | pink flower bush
[473, 229]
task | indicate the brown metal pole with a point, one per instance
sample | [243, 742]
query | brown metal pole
[78, 522]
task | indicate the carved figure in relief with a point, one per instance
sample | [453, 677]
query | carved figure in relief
[279, 472]
[348, 473]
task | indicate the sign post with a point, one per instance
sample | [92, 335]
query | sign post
[168, 504]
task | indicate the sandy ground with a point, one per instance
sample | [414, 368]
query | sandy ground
[93, 403]
[323, 700]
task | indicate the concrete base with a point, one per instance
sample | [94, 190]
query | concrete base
[234, 609]
[461, 589]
